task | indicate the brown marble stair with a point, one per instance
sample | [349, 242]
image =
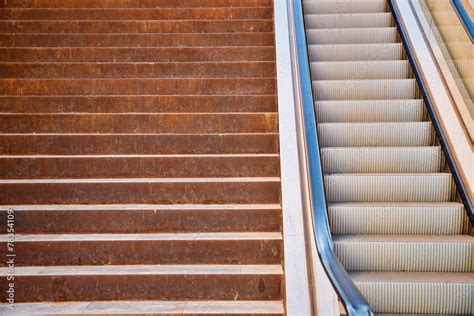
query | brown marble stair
[139, 152]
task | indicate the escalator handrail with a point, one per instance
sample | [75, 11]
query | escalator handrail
[354, 302]
[464, 17]
[460, 185]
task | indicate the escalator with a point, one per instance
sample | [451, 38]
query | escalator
[399, 226]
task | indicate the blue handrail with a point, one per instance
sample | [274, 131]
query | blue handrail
[464, 17]
[461, 187]
[354, 302]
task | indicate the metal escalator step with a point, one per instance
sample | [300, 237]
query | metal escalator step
[375, 134]
[392, 69]
[405, 253]
[365, 89]
[382, 159]
[397, 218]
[336, 111]
[343, 6]
[432, 187]
[353, 52]
[352, 35]
[327, 21]
[417, 292]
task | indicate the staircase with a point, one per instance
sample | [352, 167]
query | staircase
[139, 154]
[398, 226]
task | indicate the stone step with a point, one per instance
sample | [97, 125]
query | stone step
[141, 191]
[138, 70]
[136, 249]
[139, 104]
[138, 166]
[135, 3]
[137, 40]
[217, 308]
[199, 86]
[143, 218]
[156, 13]
[129, 144]
[405, 253]
[142, 54]
[139, 123]
[130, 26]
[147, 282]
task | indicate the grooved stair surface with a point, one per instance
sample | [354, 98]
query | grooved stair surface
[398, 226]
[139, 151]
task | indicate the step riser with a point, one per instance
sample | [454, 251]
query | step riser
[140, 167]
[137, 124]
[135, 3]
[129, 252]
[369, 52]
[145, 287]
[137, 144]
[382, 160]
[135, 221]
[130, 70]
[415, 220]
[379, 188]
[139, 104]
[359, 70]
[137, 86]
[364, 90]
[78, 26]
[405, 297]
[351, 36]
[327, 21]
[328, 7]
[141, 193]
[405, 256]
[370, 135]
[175, 54]
[137, 14]
[136, 40]
[369, 111]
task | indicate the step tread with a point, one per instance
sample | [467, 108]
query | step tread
[238, 236]
[124, 207]
[412, 277]
[148, 307]
[142, 180]
[404, 238]
[268, 269]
